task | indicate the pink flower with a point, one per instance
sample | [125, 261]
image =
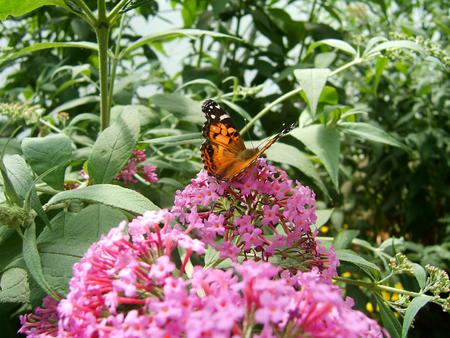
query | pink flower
[248, 212]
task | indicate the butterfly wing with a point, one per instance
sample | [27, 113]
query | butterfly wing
[258, 152]
[224, 153]
[223, 144]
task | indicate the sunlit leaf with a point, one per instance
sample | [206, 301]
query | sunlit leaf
[312, 82]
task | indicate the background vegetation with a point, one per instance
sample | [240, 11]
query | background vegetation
[367, 81]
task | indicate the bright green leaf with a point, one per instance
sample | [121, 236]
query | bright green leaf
[312, 81]
[44, 153]
[413, 308]
[397, 44]
[420, 274]
[113, 148]
[325, 143]
[18, 8]
[370, 132]
[350, 256]
[182, 107]
[344, 238]
[284, 153]
[74, 103]
[189, 33]
[335, 43]
[46, 45]
[108, 194]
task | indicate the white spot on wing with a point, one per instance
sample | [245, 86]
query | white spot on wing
[224, 116]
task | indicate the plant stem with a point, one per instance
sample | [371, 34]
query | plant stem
[112, 17]
[115, 61]
[293, 92]
[368, 285]
[88, 16]
[102, 31]
[200, 51]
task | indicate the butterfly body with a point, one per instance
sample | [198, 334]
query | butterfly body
[224, 153]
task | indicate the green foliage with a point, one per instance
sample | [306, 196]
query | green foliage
[367, 83]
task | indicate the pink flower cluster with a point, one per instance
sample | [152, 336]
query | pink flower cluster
[128, 174]
[262, 215]
[129, 285]
[148, 279]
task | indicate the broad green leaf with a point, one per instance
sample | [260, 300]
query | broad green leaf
[344, 238]
[325, 143]
[413, 308]
[350, 256]
[312, 81]
[21, 178]
[89, 117]
[145, 114]
[74, 103]
[33, 260]
[46, 45]
[108, 194]
[335, 43]
[189, 33]
[182, 107]
[284, 153]
[387, 316]
[420, 274]
[70, 237]
[323, 215]
[14, 287]
[113, 148]
[44, 153]
[178, 139]
[18, 8]
[237, 109]
[370, 132]
[397, 44]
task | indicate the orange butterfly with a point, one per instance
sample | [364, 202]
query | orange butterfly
[224, 153]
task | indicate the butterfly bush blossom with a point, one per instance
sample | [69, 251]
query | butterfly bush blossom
[130, 285]
[147, 171]
[262, 215]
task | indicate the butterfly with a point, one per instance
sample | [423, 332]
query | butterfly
[223, 152]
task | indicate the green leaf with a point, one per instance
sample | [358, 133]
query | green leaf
[344, 238]
[323, 215]
[108, 194]
[74, 103]
[350, 256]
[414, 307]
[113, 148]
[420, 274]
[189, 33]
[46, 45]
[312, 81]
[44, 153]
[18, 8]
[284, 153]
[70, 237]
[14, 286]
[21, 178]
[145, 114]
[33, 260]
[387, 316]
[370, 132]
[182, 107]
[396, 44]
[335, 43]
[187, 138]
[325, 143]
